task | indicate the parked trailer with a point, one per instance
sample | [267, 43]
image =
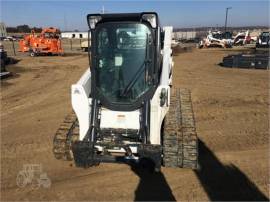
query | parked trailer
[250, 61]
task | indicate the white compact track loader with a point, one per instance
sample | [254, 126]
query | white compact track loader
[125, 106]
[217, 39]
[242, 38]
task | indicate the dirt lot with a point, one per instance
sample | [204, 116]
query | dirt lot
[231, 111]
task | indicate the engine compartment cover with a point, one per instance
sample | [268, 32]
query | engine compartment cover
[119, 119]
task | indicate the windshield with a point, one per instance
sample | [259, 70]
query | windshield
[227, 35]
[123, 60]
[265, 34]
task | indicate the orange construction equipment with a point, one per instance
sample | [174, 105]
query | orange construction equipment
[47, 43]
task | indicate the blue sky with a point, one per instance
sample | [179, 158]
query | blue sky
[71, 15]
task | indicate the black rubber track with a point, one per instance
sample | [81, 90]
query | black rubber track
[67, 133]
[180, 145]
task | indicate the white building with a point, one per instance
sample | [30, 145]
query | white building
[3, 31]
[74, 35]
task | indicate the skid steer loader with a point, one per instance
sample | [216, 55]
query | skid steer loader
[125, 107]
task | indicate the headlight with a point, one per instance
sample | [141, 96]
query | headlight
[151, 18]
[93, 20]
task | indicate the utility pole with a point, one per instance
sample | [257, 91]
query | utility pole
[103, 10]
[226, 18]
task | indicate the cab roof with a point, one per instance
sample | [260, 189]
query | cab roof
[116, 17]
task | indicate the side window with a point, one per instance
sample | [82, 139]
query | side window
[103, 41]
[103, 49]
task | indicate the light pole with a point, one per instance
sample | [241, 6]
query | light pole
[226, 17]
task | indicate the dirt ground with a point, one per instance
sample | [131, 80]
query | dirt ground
[231, 111]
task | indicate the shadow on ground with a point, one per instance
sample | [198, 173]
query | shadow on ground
[153, 185]
[220, 182]
[225, 183]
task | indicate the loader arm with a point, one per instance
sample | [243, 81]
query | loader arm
[159, 109]
[81, 102]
